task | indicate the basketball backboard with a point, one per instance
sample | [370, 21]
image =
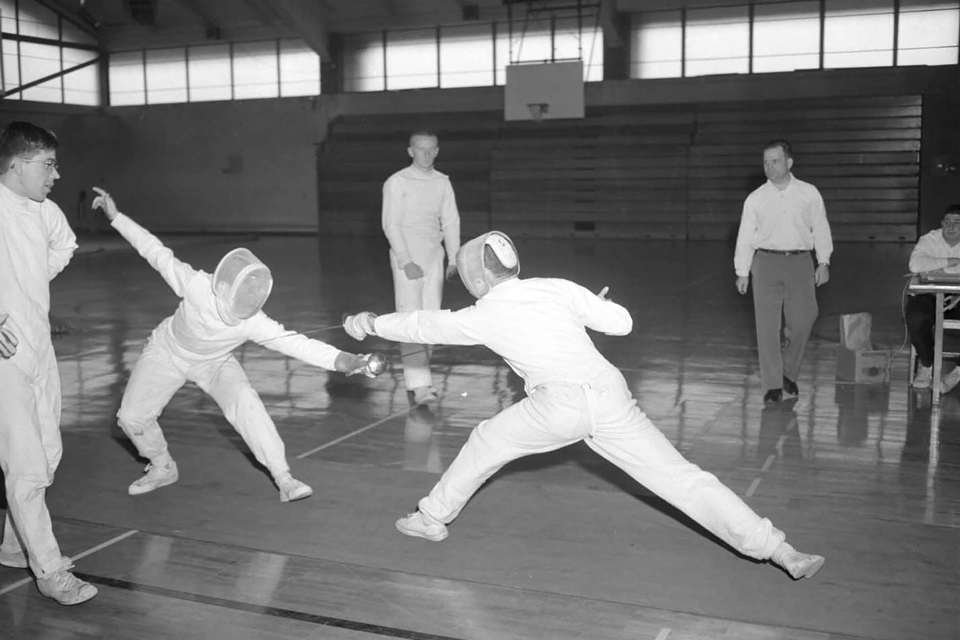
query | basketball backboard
[547, 91]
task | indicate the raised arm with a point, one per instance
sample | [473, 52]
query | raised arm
[419, 327]
[597, 312]
[62, 241]
[176, 273]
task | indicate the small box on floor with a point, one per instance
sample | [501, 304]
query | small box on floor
[869, 367]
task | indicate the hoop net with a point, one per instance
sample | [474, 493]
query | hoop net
[538, 109]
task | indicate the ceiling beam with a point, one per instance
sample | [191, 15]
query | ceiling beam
[306, 18]
[210, 22]
[264, 12]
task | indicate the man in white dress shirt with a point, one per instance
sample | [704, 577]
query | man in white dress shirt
[783, 221]
[574, 394]
[420, 212]
[937, 250]
[36, 243]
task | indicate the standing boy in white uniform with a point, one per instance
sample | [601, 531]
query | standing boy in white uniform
[420, 211]
[573, 393]
[36, 243]
[216, 315]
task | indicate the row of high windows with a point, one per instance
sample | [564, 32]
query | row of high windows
[789, 36]
[44, 58]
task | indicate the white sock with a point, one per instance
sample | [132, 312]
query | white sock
[783, 549]
[163, 460]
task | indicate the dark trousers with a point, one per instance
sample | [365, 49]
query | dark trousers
[921, 314]
[785, 308]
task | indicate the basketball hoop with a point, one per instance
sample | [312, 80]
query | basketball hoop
[538, 109]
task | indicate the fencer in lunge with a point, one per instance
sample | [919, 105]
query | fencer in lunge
[215, 316]
[573, 393]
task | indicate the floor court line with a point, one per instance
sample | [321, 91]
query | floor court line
[351, 434]
[362, 429]
[278, 612]
[83, 554]
[663, 635]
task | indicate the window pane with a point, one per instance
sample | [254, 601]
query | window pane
[412, 59]
[929, 32]
[11, 69]
[8, 16]
[529, 42]
[363, 62]
[657, 44]
[166, 76]
[127, 78]
[255, 73]
[580, 40]
[858, 33]
[593, 54]
[466, 56]
[299, 69]
[38, 61]
[73, 33]
[786, 36]
[83, 85]
[718, 41]
[38, 21]
[209, 73]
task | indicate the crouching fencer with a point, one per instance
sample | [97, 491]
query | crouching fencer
[216, 315]
[573, 393]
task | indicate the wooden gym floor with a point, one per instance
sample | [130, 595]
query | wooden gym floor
[555, 547]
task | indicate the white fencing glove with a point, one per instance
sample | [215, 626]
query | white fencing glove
[371, 365]
[360, 325]
[603, 294]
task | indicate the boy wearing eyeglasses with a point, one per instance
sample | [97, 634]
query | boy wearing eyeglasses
[36, 243]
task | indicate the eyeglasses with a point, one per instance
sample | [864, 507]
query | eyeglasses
[951, 224]
[51, 165]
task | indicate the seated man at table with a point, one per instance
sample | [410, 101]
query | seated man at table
[936, 251]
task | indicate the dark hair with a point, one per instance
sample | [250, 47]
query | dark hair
[423, 133]
[783, 144]
[493, 264]
[954, 209]
[24, 138]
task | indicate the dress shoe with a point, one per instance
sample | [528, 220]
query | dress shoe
[774, 395]
[790, 387]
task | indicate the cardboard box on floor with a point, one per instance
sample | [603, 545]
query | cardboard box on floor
[857, 360]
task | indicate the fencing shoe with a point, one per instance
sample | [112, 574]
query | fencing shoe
[924, 377]
[949, 381]
[424, 395]
[420, 525]
[64, 587]
[797, 564]
[292, 489]
[18, 559]
[155, 476]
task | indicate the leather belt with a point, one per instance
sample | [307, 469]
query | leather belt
[785, 253]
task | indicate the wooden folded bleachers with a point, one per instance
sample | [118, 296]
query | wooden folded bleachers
[672, 172]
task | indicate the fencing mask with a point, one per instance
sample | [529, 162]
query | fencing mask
[241, 285]
[487, 261]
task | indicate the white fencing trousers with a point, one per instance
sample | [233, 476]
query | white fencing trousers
[424, 293]
[159, 374]
[30, 451]
[604, 414]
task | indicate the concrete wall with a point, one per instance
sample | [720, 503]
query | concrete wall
[245, 166]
